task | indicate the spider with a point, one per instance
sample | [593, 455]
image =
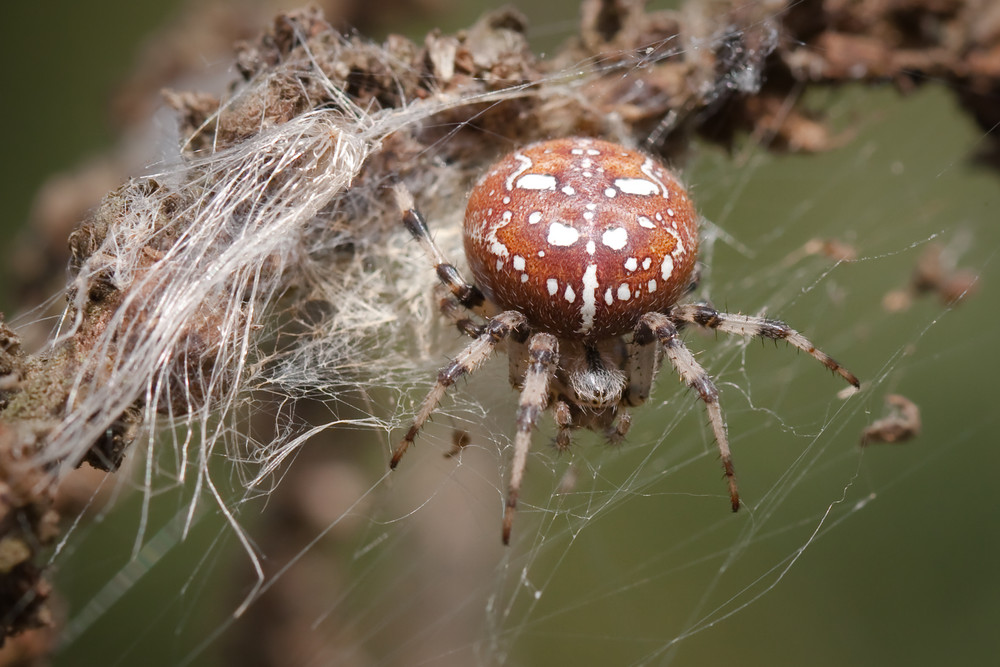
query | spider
[581, 249]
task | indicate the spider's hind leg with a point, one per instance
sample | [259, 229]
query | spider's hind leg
[465, 293]
[459, 316]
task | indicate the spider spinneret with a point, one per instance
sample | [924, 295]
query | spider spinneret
[580, 249]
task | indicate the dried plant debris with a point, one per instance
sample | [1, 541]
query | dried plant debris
[833, 249]
[717, 67]
[265, 256]
[27, 521]
[460, 439]
[901, 425]
[908, 42]
[937, 272]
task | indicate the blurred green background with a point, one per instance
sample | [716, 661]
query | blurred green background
[640, 563]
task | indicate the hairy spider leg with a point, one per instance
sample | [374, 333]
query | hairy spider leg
[747, 325]
[563, 416]
[657, 326]
[543, 356]
[459, 316]
[505, 324]
[640, 369]
[465, 293]
[616, 432]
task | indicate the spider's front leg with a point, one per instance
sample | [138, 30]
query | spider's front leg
[654, 327]
[563, 415]
[508, 323]
[543, 357]
[616, 431]
[747, 325]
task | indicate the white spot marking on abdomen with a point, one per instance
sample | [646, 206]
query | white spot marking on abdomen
[562, 235]
[537, 182]
[616, 238]
[637, 186]
[589, 307]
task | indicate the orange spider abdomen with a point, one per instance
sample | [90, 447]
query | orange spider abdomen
[582, 236]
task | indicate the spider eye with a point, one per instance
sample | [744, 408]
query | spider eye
[583, 236]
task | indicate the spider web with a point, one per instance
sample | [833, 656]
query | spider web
[624, 555]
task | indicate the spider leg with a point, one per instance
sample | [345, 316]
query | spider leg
[500, 327]
[564, 421]
[453, 310]
[543, 352]
[657, 326]
[613, 422]
[747, 325]
[465, 293]
[616, 433]
[517, 361]
[640, 368]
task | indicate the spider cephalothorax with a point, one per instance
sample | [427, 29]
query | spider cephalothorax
[581, 249]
